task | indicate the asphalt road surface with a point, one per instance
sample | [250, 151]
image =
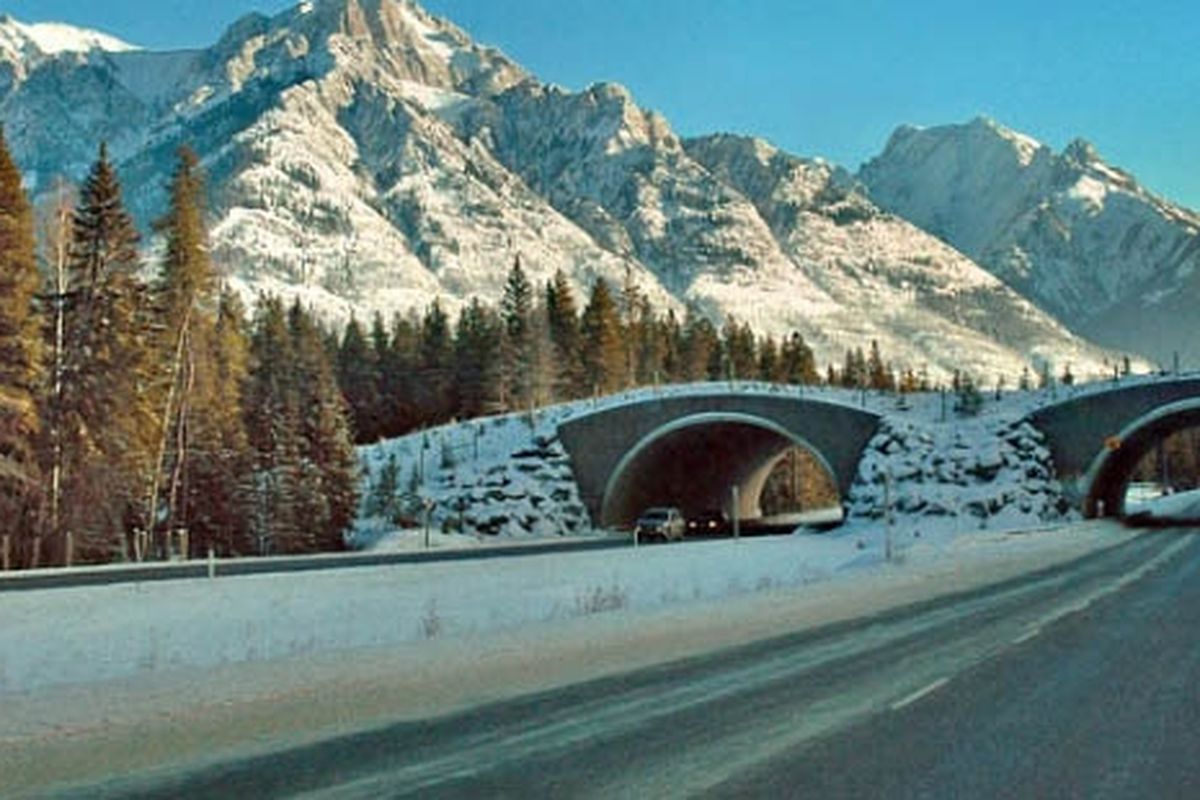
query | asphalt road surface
[1080, 681]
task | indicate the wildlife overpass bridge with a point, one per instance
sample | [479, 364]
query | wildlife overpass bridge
[690, 450]
[1098, 438]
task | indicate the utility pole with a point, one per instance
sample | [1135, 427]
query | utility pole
[887, 515]
[736, 515]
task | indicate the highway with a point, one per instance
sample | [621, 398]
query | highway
[1077, 681]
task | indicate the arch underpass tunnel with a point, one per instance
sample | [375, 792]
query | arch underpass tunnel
[1156, 455]
[695, 464]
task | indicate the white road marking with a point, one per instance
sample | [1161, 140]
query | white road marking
[917, 695]
[1027, 635]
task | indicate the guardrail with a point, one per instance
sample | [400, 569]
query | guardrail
[65, 578]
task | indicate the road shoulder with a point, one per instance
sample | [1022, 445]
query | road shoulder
[192, 716]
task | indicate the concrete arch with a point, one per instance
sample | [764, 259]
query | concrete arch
[1077, 427]
[739, 449]
[1108, 476]
[604, 444]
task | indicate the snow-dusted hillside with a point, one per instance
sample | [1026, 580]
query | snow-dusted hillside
[367, 156]
[1078, 236]
[936, 470]
[935, 304]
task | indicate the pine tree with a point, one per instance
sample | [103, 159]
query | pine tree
[702, 347]
[106, 407]
[220, 487]
[671, 335]
[477, 345]
[328, 465]
[358, 377]
[189, 302]
[383, 501]
[20, 374]
[854, 372]
[650, 344]
[798, 364]
[603, 351]
[273, 430]
[397, 359]
[562, 321]
[768, 361]
[518, 342]
[738, 342]
[435, 387]
[632, 331]
[879, 375]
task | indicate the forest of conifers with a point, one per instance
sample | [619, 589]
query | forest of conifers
[144, 414]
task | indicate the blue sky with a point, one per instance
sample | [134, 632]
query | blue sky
[823, 78]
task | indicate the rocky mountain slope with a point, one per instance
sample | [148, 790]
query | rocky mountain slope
[1080, 237]
[364, 155]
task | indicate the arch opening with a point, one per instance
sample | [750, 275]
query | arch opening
[695, 463]
[1155, 455]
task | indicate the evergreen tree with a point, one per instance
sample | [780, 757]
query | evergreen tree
[397, 361]
[854, 372]
[518, 341]
[879, 376]
[702, 347]
[738, 342]
[603, 350]
[106, 406]
[191, 427]
[273, 429]
[328, 466]
[670, 333]
[650, 343]
[384, 500]
[562, 321]
[435, 388]
[798, 365]
[969, 398]
[220, 487]
[631, 331]
[477, 345]
[359, 379]
[769, 364]
[19, 362]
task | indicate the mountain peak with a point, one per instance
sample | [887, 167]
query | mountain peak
[1082, 152]
[54, 38]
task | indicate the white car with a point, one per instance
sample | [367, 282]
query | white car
[666, 522]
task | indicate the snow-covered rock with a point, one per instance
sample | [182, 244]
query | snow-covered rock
[1080, 237]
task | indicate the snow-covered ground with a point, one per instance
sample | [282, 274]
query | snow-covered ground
[233, 665]
[123, 631]
[970, 504]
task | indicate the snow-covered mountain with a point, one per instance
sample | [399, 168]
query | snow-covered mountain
[364, 155]
[1080, 237]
